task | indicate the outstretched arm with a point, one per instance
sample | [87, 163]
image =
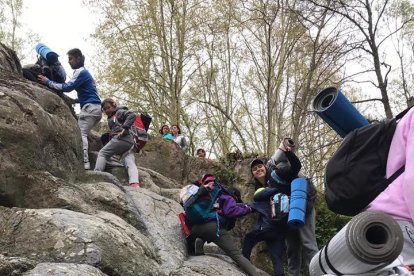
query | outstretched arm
[264, 194]
[229, 207]
[77, 80]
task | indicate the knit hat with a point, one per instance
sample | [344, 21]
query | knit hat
[207, 178]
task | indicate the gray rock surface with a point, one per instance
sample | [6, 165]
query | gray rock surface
[57, 219]
[63, 269]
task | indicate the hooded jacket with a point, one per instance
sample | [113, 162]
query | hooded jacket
[396, 200]
[227, 207]
[121, 119]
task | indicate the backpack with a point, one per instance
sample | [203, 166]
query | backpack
[53, 71]
[355, 175]
[201, 209]
[139, 130]
[279, 206]
[189, 192]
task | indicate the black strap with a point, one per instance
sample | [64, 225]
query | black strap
[401, 114]
[394, 176]
[320, 262]
[328, 262]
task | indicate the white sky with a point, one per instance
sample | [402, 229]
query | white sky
[61, 25]
[66, 24]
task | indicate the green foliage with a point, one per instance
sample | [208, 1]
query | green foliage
[327, 222]
[226, 176]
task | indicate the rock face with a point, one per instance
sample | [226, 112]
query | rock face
[57, 219]
[37, 133]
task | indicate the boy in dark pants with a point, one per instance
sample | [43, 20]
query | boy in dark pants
[300, 242]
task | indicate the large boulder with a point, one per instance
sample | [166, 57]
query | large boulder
[37, 132]
[62, 269]
[55, 235]
[167, 158]
[9, 61]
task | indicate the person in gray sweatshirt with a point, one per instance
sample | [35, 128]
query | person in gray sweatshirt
[120, 120]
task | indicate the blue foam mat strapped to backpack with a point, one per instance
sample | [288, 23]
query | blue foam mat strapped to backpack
[298, 200]
[43, 50]
[339, 113]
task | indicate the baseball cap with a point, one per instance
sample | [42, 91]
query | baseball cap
[255, 162]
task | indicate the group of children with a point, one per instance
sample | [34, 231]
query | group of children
[271, 178]
[276, 176]
[50, 72]
[174, 134]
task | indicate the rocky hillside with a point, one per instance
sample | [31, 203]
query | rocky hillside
[57, 219]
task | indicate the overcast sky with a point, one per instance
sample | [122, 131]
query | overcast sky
[61, 25]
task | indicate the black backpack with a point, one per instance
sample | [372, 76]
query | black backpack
[355, 175]
[52, 70]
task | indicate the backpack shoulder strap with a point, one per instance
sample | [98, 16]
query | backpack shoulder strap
[401, 114]
[394, 176]
[183, 142]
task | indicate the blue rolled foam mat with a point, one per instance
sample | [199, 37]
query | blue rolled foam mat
[339, 113]
[42, 50]
[298, 197]
[367, 243]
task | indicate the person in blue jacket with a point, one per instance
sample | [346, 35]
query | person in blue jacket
[165, 132]
[271, 231]
[88, 98]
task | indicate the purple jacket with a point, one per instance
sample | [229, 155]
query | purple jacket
[228, 207]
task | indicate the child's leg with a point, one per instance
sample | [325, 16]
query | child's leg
[114, 146]
[129, 161]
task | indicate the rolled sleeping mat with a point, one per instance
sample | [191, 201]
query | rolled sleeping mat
[369, 242]
[46, 53]
[279, 156]
[339, 113]
[298, 200]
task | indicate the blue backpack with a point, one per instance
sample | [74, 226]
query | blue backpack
[203, 208]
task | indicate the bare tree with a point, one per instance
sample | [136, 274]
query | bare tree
[367, 18]
[11, 27]
[151, 47]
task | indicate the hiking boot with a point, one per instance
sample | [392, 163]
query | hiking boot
[198, 247]
[136, 185]
[87, 165]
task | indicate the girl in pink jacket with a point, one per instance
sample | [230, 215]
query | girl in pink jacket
[397, 199]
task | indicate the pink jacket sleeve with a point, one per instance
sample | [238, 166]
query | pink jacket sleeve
[403, 144]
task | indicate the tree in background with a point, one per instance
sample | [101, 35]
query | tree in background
[10, 27]
[241, 75]
[150, 47]
[402, 86]
[368, 19]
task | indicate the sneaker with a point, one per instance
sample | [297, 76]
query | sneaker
[198, 247]
[87, 165]
[136, 185]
